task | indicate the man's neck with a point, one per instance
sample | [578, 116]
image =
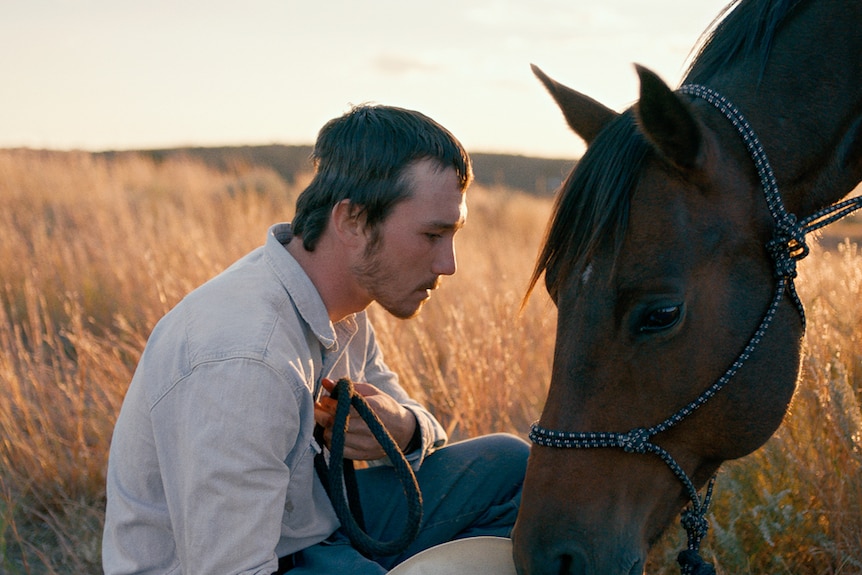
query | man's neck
[329, 271]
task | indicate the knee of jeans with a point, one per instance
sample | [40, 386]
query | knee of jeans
[509, 445]
[509, 442]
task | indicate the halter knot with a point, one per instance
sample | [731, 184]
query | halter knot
[695, 523]
[635, 441]
[787, 246]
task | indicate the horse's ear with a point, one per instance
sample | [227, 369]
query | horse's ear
[667, 122]
[583, 114]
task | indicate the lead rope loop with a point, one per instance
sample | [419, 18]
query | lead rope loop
[339, 477]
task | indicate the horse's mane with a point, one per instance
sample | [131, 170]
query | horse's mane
[593, 203]
[744, 28]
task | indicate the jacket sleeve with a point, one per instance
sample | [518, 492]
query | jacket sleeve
[223, 435]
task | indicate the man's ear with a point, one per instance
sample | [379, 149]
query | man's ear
[348, 223]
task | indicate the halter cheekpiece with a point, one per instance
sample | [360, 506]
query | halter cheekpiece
[786, 247]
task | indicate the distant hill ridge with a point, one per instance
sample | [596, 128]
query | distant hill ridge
[541, 176]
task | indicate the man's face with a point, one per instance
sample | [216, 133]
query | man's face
[415, 245]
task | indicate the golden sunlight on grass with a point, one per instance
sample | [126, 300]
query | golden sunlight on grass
[93, 251]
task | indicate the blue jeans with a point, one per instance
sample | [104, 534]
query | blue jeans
[469, 488]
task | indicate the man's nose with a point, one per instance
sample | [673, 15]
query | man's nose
[445, 262]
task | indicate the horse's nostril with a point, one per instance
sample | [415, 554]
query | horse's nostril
[573, 564]
[565, 564]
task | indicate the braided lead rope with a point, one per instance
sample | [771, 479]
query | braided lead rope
[831, 214]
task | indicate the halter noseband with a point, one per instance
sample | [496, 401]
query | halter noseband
[786, 247]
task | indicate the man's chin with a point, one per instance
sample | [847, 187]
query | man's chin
[405, 312]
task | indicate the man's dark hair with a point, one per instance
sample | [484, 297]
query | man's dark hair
[362, 157]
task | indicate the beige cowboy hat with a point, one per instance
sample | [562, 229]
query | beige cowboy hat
[472, 556]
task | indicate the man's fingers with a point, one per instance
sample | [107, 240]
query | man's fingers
[327, 404]
[323, 418]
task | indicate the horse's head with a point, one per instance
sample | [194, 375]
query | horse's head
[656, 260]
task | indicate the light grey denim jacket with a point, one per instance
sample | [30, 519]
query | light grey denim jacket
[211, 463]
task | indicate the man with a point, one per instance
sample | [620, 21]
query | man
[211, 465]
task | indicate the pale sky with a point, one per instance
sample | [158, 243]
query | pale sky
[128, 74]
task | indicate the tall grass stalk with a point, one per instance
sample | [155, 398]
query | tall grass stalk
[93, 251]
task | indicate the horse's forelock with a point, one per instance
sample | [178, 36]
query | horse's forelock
[593, 203]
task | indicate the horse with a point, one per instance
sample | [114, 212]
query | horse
[670, 256]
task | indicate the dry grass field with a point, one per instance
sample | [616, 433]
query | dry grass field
[94, 250]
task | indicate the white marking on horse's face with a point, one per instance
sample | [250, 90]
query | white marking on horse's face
[588, 272]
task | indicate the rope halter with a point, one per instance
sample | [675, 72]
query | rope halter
[786, 247]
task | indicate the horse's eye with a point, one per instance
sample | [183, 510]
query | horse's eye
[661, 318]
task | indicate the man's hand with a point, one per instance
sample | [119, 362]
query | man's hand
[359, 443]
